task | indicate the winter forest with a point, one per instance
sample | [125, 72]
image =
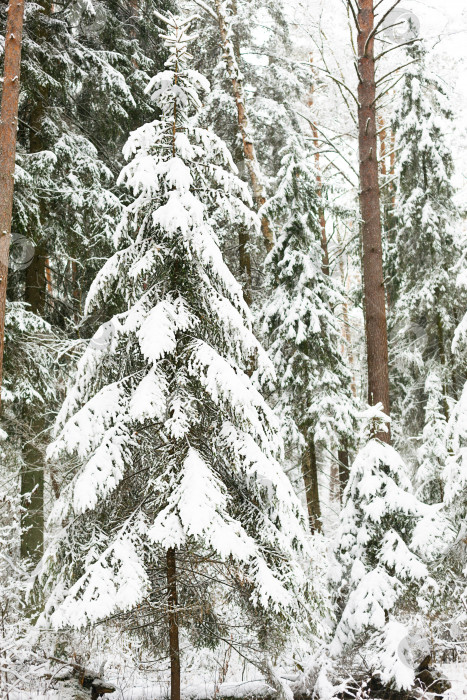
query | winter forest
[233, 350]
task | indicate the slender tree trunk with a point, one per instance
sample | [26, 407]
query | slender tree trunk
[382, 144]
[174, 640]
[249, 152]
[32, 482]
[8, 131]
[344, 469]
[35, 295]
[32, 470]
[310, 479]
[443, 360]
[373, 282]
[244, 259]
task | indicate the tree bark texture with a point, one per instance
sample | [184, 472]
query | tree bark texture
[310, 479]
[174, 640]
[373, 282]
[8, 132]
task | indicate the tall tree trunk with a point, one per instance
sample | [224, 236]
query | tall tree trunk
[32, 491]
[373, 281]
[32, 470]
[443, 361]
[249, 152]
[244, 259]
[8, 131]
[310, 479]
[344, 469]
[382, 144]
[35, 295]
[174, 639]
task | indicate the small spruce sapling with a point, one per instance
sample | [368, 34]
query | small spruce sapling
[377, 568]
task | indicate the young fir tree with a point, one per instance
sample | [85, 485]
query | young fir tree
[299, 321]
[425, 306]
[377, 564]
[177, 483]
[433, 454]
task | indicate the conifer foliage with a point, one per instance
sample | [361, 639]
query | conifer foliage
[377, 566]
[300, 324]
[175, 447]
[426, 246]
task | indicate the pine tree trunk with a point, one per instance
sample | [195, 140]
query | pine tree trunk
[310, 479]
[249, 152]
[8, 131]
[343, 456]
[35, 295]
[244, 259]
[174, 640]
[382, 145]
[32, 482]
[373, 282]
[443, 361]
[32, 470]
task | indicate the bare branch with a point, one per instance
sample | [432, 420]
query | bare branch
[328, 141]
[378, 25]
[382, 94]
[206, 8]
[384, 77]
[349, 4]
[398, 46]
[336, 80]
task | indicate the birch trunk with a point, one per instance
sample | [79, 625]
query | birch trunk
[249, 152]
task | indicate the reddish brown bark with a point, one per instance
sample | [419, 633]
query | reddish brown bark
[382, 144]
[174, 640]
[373, 282]
[249, 152]
[8, 131]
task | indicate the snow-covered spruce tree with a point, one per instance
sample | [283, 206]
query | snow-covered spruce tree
[177, 488]
[377, 568]
[300, 324]
[433, 453]
[425, 305]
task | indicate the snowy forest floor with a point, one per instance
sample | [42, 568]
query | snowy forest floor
[207, 690]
